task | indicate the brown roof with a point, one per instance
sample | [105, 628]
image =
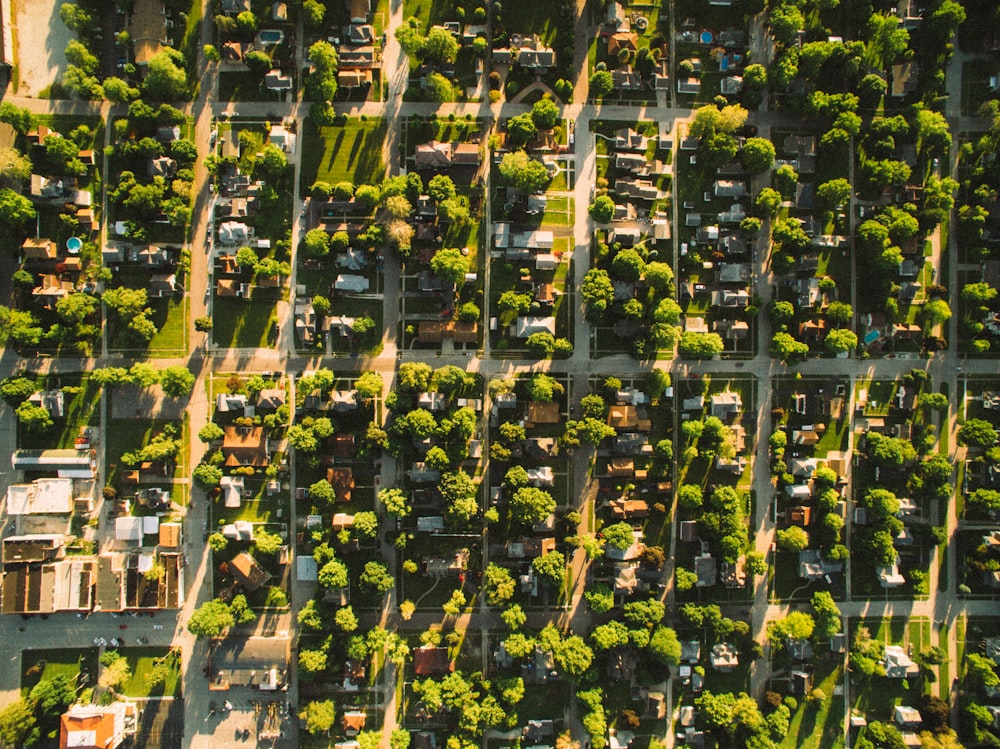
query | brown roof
[342, 445]
[39, 249]
[800, 516]
[247, 572]
[342, 481]
[244, 446]
[353, 720]
[628, 417]
[432, 331]
[625, 509]
[432, 661]
[99, 724]
[543, 413]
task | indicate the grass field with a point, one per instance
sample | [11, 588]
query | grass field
[142, 661]
[819, 725]
[243, 324]
[82, 398]
[126, 435]
[351, 151]
[37, 665]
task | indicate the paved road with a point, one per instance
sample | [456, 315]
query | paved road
[205, 359]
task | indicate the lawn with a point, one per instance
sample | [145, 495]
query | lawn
[126, 435]
[142, 661]
[243, 323]
[819, 725]
[37, 665]
[82, 399]
[877, 698]
[351, 150]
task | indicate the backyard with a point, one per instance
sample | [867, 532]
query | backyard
[350, 150]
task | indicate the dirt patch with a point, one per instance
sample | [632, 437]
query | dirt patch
[41, 44]
[132, 402]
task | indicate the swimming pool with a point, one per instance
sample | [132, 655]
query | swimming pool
[271, 36]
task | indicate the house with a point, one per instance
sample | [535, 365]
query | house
[731, 85]
[898, 665]
[534, 56]
[628, 509]
[342, 481]
[726, 405]
[691, 86]
[275, 80]
[351, 284]
[353, 722]
[247, 572]
[524, 327]
[622, 40]
[280, 137]
[429, 660]
[34, 547]
[233, 232]
[52, 401]
[889, 576]
[725, 188]
[812, 565]
[724, 657]
[906, 717]
[45, 496]
[93, 726]
[270, 399]
[905, 78]
[232, 488]
[542, 413]
[706, 569]
[163, 285]
[71, 464]
[245, 446]
[231, 403]
[39, 249]
[348, 79]
[162, 166]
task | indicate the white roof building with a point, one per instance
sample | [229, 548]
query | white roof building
[41, 497]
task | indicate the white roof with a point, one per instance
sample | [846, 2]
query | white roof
[42, 497]
[150, 524]
[347, 282]
[128, 529]
[232, 488]
[525, 326]
[81, 738]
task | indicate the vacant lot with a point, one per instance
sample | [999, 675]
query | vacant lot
[350, 151]
[39, 40]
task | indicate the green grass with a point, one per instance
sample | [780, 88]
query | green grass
[126, 435]
[819, 725]
[243, 324]
[141, 661]
[350, 151]
[171, 338]
[69, 661]
[81, 409]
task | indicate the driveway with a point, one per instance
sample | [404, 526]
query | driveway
[40, 45]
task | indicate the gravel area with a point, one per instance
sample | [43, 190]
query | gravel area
[41, 43]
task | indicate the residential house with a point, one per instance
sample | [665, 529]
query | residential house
[245, 446]
[94, 727]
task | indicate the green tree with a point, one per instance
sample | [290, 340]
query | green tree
[602, 210]
[758, 155]
[768, 201]
[18, 726]
[531, 505]
[841, 340]
[786, 348]
[699, 345]
[450, 265]
[628, 265]
[792, 539]
[177, 381]
[211, 619]
[834, 193]
[977, 433]
[333, 575]
[601, 84]
[598, 293]
[545, 114]
[440, 46]
[521, 129]
[376, 578]
[35, 418]
[526, 174]
[550, 567]
[15, 209]
[439, 89]
[319, 715]
[165, 78]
